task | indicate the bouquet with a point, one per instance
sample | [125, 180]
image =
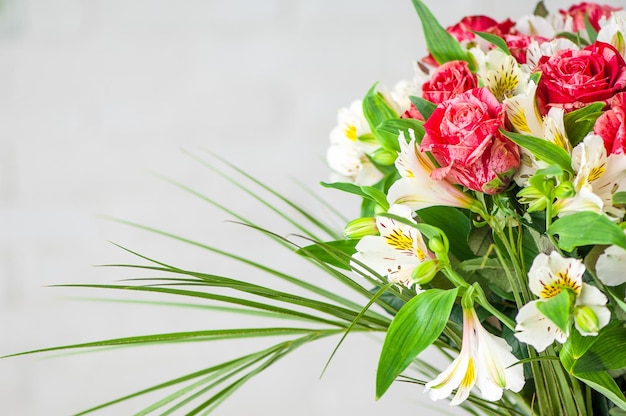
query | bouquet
[493, 193]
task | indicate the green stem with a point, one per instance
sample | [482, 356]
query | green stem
[549, 216]
[515, 286]
[482, 301]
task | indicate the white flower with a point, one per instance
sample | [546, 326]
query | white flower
[500, 73]
[613, 31]
[531, 25]
[547, 277]
[536, 51]
[416, 188]
[398, 250]
[598, 177]
[485, 360]
[347, 154]
[524, 115]
[611, 266]
[404, 89]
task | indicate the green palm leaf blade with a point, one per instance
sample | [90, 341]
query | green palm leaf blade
[222, 367]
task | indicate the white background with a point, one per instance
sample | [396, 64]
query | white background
[95, 97]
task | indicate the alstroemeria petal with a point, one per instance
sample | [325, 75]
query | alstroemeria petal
[535, 329]
[611, 265]
[442, 386]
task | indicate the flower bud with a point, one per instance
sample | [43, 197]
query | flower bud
[565, 190]
[360, 227]
[384, 157]
[425, 271]
[586, 320]
[436, 245]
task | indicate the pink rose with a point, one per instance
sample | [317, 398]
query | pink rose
[518, 45]
[593, 10]
[611, 125]
[448, 81]
[571, 79]
[462, 135]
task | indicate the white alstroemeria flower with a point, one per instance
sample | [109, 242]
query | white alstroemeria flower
[547, 277]
[398, 250]
[611, 265]
[485, 361]
[416, 188]
[561, 23]
[347, 155]
[531, 25]
[613, 31]
[500, 73]
[404, 89]
[524, 116]
[523, 113]
[598, 177]
[536, 51]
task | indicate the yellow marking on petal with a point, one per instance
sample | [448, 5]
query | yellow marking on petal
[561, 141]
[400, 241]
[563, 280]
[597, 172]
[517, 116]
[503, 82]
[420, 254]
[470, 375]
[350, 132]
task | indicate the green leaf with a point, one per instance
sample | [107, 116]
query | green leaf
[491, 270]
[323, 252]
[541, 149]
[579, 123]
[425, 107]
[454, 223]
[416, 326]
[557, 309]
[541, 10]
[494, 39]
[389, 131]
[586, 228]
[366, 192]
[619, 198]
[480, 240]
[376, 195]
[584, 352]
[574, 37]
[591, 31]
[442, 45]
[376, 109]
[606, 353]
[604, 383]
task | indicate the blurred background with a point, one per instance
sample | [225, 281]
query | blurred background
[100, 98]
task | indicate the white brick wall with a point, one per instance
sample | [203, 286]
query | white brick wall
[94, 93]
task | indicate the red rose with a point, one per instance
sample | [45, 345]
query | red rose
[464, 30]
[593, 10]
[413, 112]
[571, 79]
[462, 135]
[448, 81]
[518, 45]
[611, 125]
